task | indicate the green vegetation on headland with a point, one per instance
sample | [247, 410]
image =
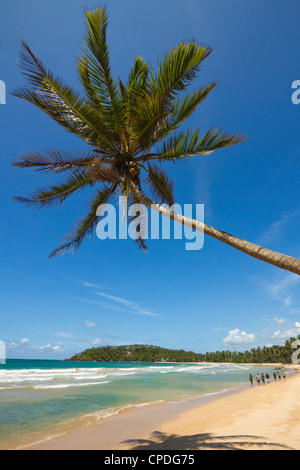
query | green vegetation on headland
[144, 353]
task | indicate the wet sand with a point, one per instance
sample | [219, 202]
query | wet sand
[265, 417]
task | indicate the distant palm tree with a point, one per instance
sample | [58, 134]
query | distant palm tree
[131, 127]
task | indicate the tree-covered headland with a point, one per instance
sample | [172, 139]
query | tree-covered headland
[145, 353]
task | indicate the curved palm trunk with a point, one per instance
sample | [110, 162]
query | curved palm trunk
[272, 257]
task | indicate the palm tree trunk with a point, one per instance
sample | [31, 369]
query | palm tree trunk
[272, 257]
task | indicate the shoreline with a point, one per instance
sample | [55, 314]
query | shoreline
[136, 424]
[264, 418]
[110, 432]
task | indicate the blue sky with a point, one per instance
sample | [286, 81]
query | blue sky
[109, 292]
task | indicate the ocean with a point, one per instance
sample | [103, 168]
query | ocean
[41, 399]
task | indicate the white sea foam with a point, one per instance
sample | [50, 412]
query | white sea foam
[103, 414]
[43, 379]
[218, 392]
[68, 385]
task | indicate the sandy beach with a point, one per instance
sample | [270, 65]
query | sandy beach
[258, 418]
[264, 418]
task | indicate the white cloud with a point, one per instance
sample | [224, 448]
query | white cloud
[294, 311]
[273, 234]
[25, 341]
[287, 334]
[282, 287]
[48, 346]
[96, 341]
[238, 337]
[89, 284]
[288, 300]
[127, 303]
[64, 335]
[89, 324]
[277, 334]
[278, 228]
[280, 321]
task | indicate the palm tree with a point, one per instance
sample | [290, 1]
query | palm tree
[131, 128]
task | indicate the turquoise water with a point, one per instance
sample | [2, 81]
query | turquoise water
[40, 399]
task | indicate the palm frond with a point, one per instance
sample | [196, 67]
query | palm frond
[188, 144]
[175, 73]
[101, 172]
[133, 93]
[85, 226]
[61, 103]
[137, 80]
[178, 69]
[54, 161]
[56, 195]
[96, 54]
[140, 224]
[148, 115]
[91, 92]
[139, 70]
[160, 111]
[141, 244]
[164, 122]
[160, 185]
[183, 109]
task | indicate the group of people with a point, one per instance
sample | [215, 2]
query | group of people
[265, 378]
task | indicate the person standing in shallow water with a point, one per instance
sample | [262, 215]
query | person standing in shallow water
[284, 375]
[275, 376]
[263, 379]
[251, 379]
[268, 378]
[258, 379]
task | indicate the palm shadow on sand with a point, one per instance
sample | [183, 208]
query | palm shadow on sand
[161, 441]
